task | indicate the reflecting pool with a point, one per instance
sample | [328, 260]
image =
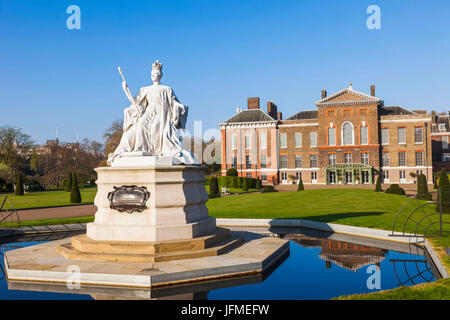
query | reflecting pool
[320, 266]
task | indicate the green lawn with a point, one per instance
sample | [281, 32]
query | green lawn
[233, 190]
[355, 207]
[48, 198]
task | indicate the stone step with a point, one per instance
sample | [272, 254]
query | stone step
[84, 244]
[223, 246]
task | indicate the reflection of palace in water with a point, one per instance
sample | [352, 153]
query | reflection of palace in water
[346, 255]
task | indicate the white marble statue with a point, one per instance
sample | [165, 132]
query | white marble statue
[152, 122]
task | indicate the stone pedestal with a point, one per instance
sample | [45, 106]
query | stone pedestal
[175, 209]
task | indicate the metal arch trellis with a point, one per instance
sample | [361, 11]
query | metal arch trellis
[422, 219]
[6, 213]
[417, 273]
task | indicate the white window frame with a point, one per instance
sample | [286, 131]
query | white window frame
[311, 135]
[385, 143]
[365, 154]
[343, 136]
[262, 141]
[248, 139]
[283, 140]
[388, 159]
[421, 135]
[445, 143]
[299, 136]
[404, 135]
[367, 135]
[329, 140]
[298, 156]
[399, 164]
[441, 127]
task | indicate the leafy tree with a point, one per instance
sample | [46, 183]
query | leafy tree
[300, 187]
[75, 195]
[422, 188]
[19, 185]
[15, 146]
[378, 185]
[245, 185]
[213, 187]
[232, 172]
[443, 202]
[113, 135]
[69, 182]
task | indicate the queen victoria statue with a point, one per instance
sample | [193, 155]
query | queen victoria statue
[151, 125]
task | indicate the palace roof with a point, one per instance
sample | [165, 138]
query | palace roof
[305, 115]
[254, 115]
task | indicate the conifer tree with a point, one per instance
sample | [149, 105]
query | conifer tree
[19, 185]
[213, 187]
[300, 187]
[422, 188]
[378, 185]
[443, 202]
[245, 185]
[75, 195]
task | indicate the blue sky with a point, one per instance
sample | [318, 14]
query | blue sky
[216, 54]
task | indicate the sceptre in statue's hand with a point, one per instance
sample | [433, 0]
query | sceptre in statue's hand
[127, 91]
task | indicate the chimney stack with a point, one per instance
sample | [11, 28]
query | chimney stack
[279, 116]
[253, 103]
[372, 90]
[324, 94]
[272, 109]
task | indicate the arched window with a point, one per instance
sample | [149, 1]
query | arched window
[347, 134]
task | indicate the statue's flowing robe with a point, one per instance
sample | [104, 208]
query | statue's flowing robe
[151, 125]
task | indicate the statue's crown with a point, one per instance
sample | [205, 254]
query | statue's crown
[157, 65]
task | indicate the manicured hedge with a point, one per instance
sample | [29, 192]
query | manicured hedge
[395, 189]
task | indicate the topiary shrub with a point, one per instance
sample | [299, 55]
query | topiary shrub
[232, 172]
[69, 182]
[75, 195]
[234, 182]
[214, 188]
[378, 185]
[300, 187]
[443, 200]
[240, 182]
[19, 185]
[395, 189]
[422, 188]
[269, 189]
[245, 185]
[258, 184]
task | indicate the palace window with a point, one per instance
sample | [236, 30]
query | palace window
[418, 135]
[234, 162]
[263, 177]
[262, 141]
[298, 175]
[385, 175]
[313, 177]
[364, 135]
[347, 133]
[313, 139]
[249, 175]
[283, 140]
[385, 159]
[298, 139]
[248, 163]
[348, 157]
[313, 160]
[385, 136]
[331, 159]
[445, 143]
[402, 159]
[365, 158]
[247, 141]
[441, 127]
[283, 162]
[331, 136]
[298, 160]
[233, 142]
[402, 175]
[401, 135]
[263, 161]
[419, 158]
